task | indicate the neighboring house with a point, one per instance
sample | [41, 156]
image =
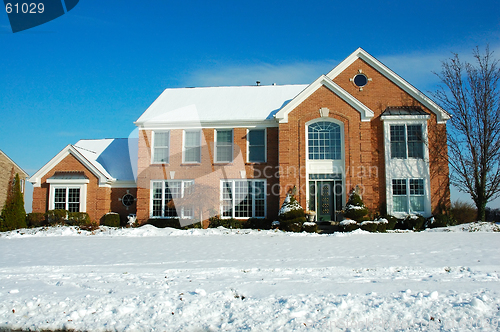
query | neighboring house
[239, 150]
[8, 170]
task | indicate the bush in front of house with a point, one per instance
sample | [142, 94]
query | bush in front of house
[291, 215]
[259, 223]
[463, 212]
[310, 227]
[111, 219]
[216, 221]
[369, 226]
[78, 218]
[440, 220]
[413, 222]
[163, 223]
[56, 217]
[36, 219]
[355, 208]
[349, 225]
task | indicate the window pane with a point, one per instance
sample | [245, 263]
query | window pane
[224, 146]
[172, 191]
[325, 141]
[161, 147]
[416, 186]
[260, 196]
[225, 136]
[400, 204]
[74, 199]
[399, 187]
[227, 199]
[192, 149]
[161, 139]
[157, 199]
[417, 203]
[243, 199]
[256, 145]
[60, 198]
[398, 143]
[415, 141]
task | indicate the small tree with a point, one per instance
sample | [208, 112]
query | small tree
[13, 213]
[355, 208]
[472, 96]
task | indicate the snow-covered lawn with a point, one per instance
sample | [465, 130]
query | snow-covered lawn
[202, 280]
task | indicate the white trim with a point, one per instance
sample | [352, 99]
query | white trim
[442, 115]
[265, 146]
[83, 194]
[184, 146]
[215, 146]
[104, 180]
[153, 133]
[269, 123]
[365, 113]
[410, 168]
[404, 117]
[67, 181]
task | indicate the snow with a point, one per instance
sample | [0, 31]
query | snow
[229, 103]
[149, 279]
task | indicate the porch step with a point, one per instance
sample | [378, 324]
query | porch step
[326, 227]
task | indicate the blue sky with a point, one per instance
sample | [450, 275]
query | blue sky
[91, 72]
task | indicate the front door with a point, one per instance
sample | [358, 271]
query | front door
[325, 197]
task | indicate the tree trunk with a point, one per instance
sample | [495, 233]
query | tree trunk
[481, 211]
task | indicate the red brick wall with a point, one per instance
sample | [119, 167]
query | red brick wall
[207, 173]
[364, 143]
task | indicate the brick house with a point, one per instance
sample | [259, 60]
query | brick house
[237, 151]
[8, 169]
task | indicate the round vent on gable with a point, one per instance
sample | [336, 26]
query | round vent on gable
[360, 80]
[128, 199]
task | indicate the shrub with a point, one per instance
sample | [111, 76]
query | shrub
[440, 220]
[370, 226]
[349, 225]
[162, 223]
[111, 219]
[258, 223]
[90, 225]
[310, 227]
[78, 218]
[355, 208]
[463, 212]
[391, 222]
[36, 219]
[13, 213]
[216, 221]
[56, 217]
[291, 215]
[382, 225]
[411, 222]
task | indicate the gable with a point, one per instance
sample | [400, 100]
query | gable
[402, 92]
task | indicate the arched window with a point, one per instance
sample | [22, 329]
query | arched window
[324, 141]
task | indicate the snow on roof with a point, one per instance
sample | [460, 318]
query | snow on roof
[213, 104]
[110, 156]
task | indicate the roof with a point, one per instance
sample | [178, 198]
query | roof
[401, 110]
[113, 161]
[235, 104]
[69, 176]
[16, 165]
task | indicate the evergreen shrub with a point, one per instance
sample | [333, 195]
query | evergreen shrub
[78, 218]
[56, 217]
[355, 208]
[111, 219]
[291, 215]
[310, 227]
[13, 213]
[36, 219]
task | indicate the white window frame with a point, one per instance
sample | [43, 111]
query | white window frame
[215, 147]
[151, 193]
[407, 148]
[81, 187]
[233, 181]
[409, 196]
[184, 145]
[160, 147]
[265, 146]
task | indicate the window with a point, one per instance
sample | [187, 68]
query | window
[163, 192]
[256, 145]
[161, 143]
[360, 80]
[407, 141]
[67, 199]
[405, 200]
[192, 146]
[243, 198]
[224, 146]
[324, 141]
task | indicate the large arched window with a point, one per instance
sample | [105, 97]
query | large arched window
[324, 141]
